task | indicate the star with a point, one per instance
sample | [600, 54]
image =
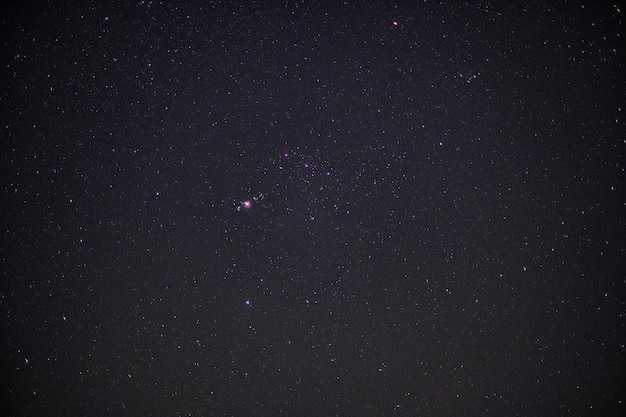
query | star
[244, 205]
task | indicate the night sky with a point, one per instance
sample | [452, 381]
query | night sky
[313, 208]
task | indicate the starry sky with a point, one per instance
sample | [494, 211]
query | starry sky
[313, 208]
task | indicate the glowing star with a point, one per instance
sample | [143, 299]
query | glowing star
[244, 205]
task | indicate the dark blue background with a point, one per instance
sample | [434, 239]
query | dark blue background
[436, 223]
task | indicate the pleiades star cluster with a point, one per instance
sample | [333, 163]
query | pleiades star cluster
[313, 208]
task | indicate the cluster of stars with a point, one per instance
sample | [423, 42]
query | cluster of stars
[246, 205]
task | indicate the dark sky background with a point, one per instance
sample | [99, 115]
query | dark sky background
[314, 208]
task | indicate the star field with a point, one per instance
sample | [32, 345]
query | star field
[325, 208]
